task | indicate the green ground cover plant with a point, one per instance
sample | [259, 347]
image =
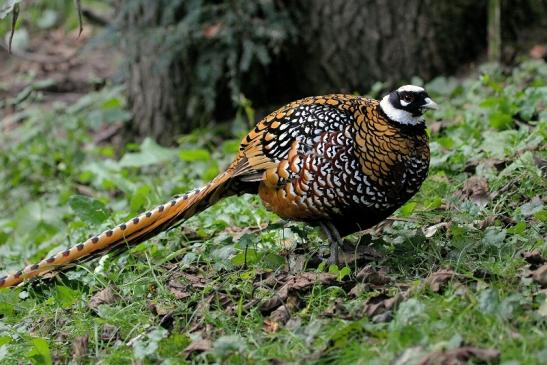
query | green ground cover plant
[456, 273]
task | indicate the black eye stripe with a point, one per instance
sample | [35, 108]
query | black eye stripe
[408, 97]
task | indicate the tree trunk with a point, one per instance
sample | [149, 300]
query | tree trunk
[349, 45]
[157, 88]
[341, 46]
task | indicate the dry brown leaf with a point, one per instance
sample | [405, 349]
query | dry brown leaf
[296, 283]
[178, 289]
[271, 326]
[338, 309]
[381, 303]
[492, 162]
[109, 332]
[475, 189]
[351, 254]
[200, 345]
[105, 296]
[369, 275]
[161, 309]
[460, 356]
[540, 275]
[534, 258]
[183, 284]
[357, 290]
[282, 314]
[297, 263]
[238, 232]
[79, 346]
[438, 279]
[487, 222]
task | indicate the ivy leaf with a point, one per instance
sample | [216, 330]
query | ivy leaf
[500, 120]
[194, 155]
[410, 310]
[150, 153]
[66, 296]
[39, 353]
[88, 209]
[149, 344]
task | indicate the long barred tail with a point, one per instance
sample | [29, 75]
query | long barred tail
[131, 232]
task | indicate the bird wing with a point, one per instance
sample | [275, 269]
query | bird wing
[303, 121]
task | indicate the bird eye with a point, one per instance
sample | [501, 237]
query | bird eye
[409, 98]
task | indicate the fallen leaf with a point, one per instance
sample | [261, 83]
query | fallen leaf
[338, 310]
[237, 232]
[296, 283]
[534, 258]
[492, 162]
[460, 356]
[271, 326]
[79, 346]
[540, 275]
[350, 254]
[369, 275]
[282, 314]
[487, 222]
[105, 296]
[183, 283]
[297, 263]
[178, 289]
[200, 345]
[381, 303]
[432, 230]
[357, 290]
[161, 309]
[475, 189]
[109, 332]
[438, 279]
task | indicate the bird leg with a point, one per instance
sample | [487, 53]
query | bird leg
[334, 239]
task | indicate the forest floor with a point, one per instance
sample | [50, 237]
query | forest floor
[459, 274]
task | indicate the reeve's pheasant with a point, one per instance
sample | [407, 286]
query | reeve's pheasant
[342, 162]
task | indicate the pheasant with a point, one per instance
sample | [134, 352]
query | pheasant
[341, 162]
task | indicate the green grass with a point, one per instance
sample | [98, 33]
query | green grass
[57, 187]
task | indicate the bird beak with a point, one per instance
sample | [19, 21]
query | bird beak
[430, 104]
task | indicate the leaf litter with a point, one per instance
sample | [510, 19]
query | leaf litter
[476, 189]
[460, 355]
[536, 268]
[107, 295]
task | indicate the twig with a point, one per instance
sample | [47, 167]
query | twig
[79, 8]
[14, 16]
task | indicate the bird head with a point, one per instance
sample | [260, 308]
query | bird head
[407, 104]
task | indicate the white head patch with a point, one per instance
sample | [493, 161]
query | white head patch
[412, 88]
[399, 115]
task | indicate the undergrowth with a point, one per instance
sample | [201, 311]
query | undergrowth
[191, 294]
